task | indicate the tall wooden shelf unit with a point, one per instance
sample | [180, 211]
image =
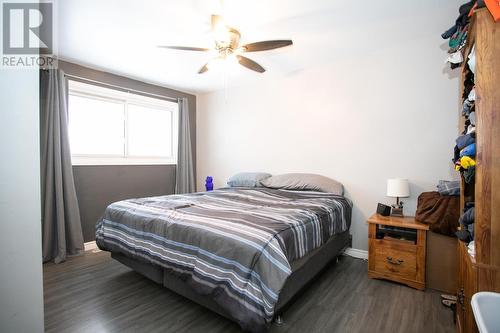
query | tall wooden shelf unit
[482, 272]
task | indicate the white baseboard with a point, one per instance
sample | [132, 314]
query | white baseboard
[91, 246]
[356, 253]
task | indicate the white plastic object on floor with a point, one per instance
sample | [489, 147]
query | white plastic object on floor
[486, 308]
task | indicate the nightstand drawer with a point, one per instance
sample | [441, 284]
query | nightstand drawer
[395, 258]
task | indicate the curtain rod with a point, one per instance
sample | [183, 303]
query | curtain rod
[85, 80]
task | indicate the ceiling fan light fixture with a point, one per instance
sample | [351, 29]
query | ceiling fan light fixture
[227, 49]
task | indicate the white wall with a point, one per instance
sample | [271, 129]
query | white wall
[379, 105]
[21, 298]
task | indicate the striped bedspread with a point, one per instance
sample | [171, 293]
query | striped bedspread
[234, 245]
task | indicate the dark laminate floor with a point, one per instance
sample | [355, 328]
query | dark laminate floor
[94, 293]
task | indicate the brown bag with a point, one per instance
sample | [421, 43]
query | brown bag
[441, 212]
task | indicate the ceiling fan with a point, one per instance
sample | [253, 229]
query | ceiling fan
[227, 46]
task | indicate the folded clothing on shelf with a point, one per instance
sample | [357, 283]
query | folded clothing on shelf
[470, 150]
[467, 217]
[467, 108]
[472, 118]
[465, 148]
[464, 163]
[449, 187]
[465, 140]
[469, 174]
[455, 58]
[461, 21]
[466, 232]
[464, 235]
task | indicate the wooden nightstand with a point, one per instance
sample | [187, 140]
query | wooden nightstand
[398, 253]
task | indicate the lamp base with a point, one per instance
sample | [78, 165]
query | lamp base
[397, 212]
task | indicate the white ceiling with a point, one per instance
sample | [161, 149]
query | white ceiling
[121, 36]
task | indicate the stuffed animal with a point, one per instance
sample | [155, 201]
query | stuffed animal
[209, 185]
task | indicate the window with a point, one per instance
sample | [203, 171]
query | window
[107, 127]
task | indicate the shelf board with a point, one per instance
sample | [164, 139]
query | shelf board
[402, 222]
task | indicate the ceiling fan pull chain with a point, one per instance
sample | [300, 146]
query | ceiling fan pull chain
[225, 86]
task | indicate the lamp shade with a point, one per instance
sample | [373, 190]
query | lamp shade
[398, 187]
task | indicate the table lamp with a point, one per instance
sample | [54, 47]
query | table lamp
[398, 188]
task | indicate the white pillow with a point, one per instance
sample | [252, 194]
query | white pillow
[304, 181]
[247, 179]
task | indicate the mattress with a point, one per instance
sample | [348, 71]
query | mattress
[234, 246]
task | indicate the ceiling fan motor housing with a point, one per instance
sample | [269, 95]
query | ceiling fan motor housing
[230, 41]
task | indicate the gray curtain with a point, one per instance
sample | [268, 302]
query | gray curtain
[61, 227]
[184, 176]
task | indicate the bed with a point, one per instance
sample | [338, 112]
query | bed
[244, 253]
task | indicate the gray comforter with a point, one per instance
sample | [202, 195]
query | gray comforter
[235, 245]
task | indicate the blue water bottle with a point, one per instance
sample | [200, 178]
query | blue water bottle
[209, 185]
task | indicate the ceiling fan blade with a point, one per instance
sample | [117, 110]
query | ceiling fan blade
[215, 21]
[203, 69]
[250, 64]
[185, 48]
[266, 45]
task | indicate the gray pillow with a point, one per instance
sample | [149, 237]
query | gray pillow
[304, 181]
[247, 179]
